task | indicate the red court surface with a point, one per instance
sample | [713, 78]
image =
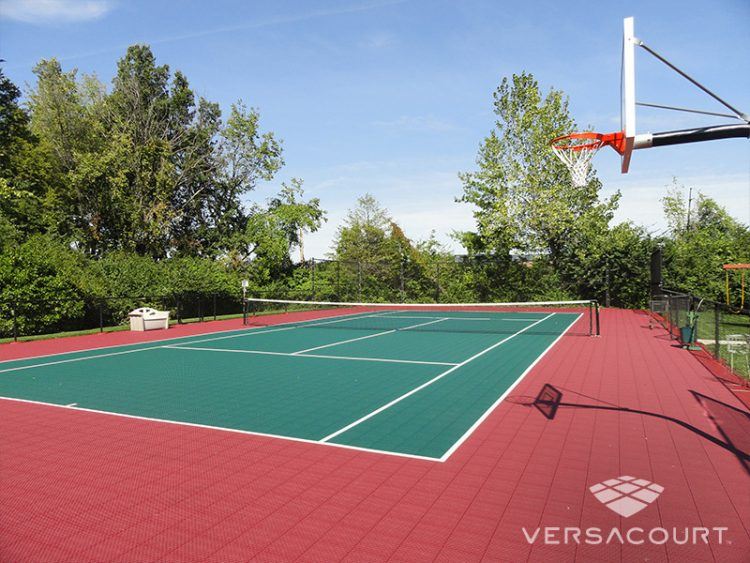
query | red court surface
[81, 486]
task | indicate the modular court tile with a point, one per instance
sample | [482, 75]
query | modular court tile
[85, 486]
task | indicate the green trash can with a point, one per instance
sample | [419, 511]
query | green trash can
[686, 335]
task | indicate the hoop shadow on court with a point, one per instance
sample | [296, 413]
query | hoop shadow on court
[732, 423]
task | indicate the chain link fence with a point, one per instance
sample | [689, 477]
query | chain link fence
[432, 279]
[22, 318]
[722, 330]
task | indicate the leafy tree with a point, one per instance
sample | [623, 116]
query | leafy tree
[523, 195]
[21, 169]
[376, 256]
[147, 168]
[298, 216]
[271, 233]
[694, 256]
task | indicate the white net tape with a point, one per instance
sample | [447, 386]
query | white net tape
[578, 162]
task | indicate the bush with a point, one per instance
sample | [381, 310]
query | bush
[41, 281]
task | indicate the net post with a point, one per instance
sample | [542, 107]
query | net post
[595, 306]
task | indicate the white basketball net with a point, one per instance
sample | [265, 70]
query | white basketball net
[578, 161]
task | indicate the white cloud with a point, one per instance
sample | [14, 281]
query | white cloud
[47, 11]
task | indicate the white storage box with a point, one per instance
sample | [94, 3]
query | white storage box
[147, 318]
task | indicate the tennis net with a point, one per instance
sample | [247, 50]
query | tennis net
[544, 317]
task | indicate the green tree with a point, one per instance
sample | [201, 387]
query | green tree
[22, 170]
[298, 216]
[271, 233]
[524, 200]
[694, 256]
[374, 253]
[149, 167]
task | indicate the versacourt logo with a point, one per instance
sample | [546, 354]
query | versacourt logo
[626, 495]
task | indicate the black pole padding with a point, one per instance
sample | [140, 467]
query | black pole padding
[700, 134]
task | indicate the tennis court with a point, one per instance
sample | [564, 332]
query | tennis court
[404, 381]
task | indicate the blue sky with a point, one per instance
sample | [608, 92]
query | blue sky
[394, 97]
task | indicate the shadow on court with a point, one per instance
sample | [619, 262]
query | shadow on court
[733, 424]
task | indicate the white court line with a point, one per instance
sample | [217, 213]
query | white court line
[295, 355]
[431, 381]
[442, 317]
[368, 336]
[223, 429]
[245, 333]
[284, 326]
[304, 440]
[78, 359]
[467, 318]
[500, 399]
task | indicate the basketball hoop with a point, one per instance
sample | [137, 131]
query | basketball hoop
[577, 149]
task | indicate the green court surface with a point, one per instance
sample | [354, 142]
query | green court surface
[414, 385]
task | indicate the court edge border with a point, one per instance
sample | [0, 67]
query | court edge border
[441, 459]
[243, 329]
[457, 444]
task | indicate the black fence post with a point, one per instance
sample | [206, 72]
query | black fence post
[101, 317]
[177, 308]
[717, 330]
[607, 301]
[359, 281]
[401, 282]
[437, 282]
[15, 324]
[214, 300]
[338, 280]
[312, 275]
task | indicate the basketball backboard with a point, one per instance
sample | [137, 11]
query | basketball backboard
[627, 91]
[577, 149]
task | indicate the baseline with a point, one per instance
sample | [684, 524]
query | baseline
[431, 381]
